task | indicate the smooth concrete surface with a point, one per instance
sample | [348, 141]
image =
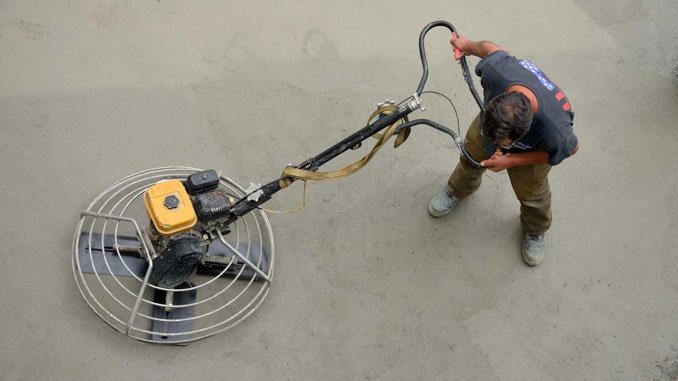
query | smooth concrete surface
[367, 284]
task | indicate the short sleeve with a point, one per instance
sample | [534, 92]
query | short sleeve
[491, 60]
[562, 150]
[490, 70]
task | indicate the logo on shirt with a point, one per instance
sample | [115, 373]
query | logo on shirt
[535, 70]
[522, 145]
[560, 97]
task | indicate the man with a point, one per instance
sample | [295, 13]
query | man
[526, 128]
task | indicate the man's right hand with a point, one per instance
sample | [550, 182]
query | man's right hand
[474, 48]
[462, 43]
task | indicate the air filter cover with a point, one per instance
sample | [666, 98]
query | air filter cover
[170, 208]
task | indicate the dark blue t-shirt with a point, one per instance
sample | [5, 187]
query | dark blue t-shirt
[551, 128]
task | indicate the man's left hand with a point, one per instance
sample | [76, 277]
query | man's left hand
[498, 162]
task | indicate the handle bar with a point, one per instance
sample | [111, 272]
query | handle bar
[462, 61]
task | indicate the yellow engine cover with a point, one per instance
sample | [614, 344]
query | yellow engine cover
[170, 208]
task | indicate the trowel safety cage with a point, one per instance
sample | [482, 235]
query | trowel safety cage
[125, 307]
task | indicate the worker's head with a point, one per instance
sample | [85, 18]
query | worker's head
[506, 119]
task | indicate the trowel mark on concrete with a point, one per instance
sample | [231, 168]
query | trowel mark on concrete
[315, 45]
[667, 369]
[32, 29]
[609, 12]
[634, 24]
[106, 14]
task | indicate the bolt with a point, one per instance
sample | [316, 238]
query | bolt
[171, 202]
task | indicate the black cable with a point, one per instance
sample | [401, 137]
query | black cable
[456, 115]
[458, 141]
[244, 199]
[405, 100]
[453, 106]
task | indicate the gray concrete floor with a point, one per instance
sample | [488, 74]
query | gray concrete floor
[368, 286]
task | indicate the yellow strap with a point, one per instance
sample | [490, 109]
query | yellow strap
[402, 135]
[298, 208]
[303, 174]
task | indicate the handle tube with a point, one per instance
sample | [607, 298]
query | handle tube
[458, 141]
[422, 50]
[244, 206]
[468, 78]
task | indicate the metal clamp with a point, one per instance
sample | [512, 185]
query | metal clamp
[385, 103]
[416, 103]
[254, 192]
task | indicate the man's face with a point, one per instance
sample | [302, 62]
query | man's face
[506, 144]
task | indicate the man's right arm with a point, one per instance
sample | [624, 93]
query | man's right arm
[475, 48]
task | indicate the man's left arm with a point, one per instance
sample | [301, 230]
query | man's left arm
[500, 161]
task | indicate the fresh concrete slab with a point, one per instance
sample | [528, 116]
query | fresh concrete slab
[367, 284]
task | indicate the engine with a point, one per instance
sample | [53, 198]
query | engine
[186, 216]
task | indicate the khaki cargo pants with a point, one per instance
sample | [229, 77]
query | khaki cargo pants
[530, 183]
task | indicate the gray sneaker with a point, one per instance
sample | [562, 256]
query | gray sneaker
[442, 203]
[533, 248]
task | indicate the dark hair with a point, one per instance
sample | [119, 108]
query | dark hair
[507, 116]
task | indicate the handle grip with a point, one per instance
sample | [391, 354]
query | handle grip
[457, 51]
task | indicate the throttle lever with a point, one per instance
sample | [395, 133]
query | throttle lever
[457, 51]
